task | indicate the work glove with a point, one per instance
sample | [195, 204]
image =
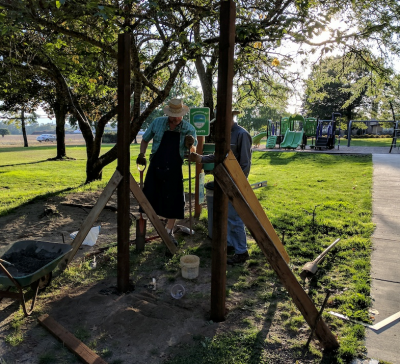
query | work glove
[189, 141]
[194, 157]
[141, 159]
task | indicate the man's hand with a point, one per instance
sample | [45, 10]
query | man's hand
[189, 141]
[141, 160]
[194, 157]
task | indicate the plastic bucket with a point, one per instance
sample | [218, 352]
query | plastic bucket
[190, 266]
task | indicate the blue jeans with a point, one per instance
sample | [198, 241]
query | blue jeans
[236, 232]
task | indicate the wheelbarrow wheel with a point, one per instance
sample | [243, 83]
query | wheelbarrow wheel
[43, 282]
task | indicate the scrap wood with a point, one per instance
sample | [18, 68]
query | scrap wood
[84, 206]
[70, 341]
[378, 326]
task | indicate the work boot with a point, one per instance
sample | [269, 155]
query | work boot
[172, 237]
[238, 258]
[230, 249]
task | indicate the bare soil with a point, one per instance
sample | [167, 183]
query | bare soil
[145, 325]
[138, 327]
[18, 141]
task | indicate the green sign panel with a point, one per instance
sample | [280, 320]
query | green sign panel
[200, 119]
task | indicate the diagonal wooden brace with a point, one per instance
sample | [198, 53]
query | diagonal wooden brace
[245, 206]
[151, 214]
[92, 217]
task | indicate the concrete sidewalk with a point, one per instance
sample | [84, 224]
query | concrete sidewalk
[385, 269]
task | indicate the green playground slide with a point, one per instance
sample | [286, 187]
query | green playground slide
[297, 140]
[271, 141]
[288, 139]
[257, 138]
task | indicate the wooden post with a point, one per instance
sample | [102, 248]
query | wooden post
[240, 194]
[123, 140]
[199, 168]
[222, 146]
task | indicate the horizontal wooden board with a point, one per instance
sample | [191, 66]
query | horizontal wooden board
[70, 341]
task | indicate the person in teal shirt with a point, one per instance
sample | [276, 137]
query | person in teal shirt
[173, 138]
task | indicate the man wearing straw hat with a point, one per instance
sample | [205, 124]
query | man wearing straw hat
[173, 138]
[241, 144]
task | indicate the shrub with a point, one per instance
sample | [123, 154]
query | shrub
[109, 138]
[4, 132]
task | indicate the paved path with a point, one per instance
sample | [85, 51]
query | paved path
[385, 270]
[385, 259]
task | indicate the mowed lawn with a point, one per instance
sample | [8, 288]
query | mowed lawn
[311, 199]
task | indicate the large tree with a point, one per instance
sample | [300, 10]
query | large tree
[75, 44]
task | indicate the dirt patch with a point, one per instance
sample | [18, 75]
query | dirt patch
[138, 327]
[146, 325]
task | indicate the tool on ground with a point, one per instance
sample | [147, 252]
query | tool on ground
[141, 223]
[328, 293]
[311, 268]
[184, 229]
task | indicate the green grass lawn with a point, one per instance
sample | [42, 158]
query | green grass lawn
[311, 199]
[368, 142]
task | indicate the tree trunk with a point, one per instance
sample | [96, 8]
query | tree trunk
[60, 111]
[23, 128]
[206, 81]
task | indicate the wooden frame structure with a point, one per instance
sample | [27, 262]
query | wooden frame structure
[121, 179]
[232, 180]
[231, 184]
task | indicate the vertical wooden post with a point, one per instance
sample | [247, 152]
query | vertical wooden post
[199, 168]
[223, 126]
[124, 92]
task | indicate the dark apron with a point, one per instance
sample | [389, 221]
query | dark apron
[163, 185]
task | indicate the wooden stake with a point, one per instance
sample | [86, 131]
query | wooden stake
[245, 209]
[123, 140]
[199, 168]
[223, 126]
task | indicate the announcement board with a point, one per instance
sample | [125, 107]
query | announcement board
[200, 119]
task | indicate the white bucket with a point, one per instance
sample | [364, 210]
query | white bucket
[190, 266]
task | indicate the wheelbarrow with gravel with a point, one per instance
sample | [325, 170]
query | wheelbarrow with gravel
[29, 263]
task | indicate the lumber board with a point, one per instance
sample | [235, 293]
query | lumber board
[380, 325]
[70, 341]
[274, 257]
[92, 217]
[233, 167]
[151, 214]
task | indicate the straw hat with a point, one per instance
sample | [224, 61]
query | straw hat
[176, 108]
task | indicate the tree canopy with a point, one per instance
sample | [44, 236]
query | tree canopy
[71, 45]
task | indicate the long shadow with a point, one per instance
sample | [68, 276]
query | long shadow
[24, 164]
[38, 198]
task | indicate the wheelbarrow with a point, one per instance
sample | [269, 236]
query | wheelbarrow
[29, 263]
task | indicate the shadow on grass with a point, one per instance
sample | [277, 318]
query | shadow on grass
[39, 198]
[24, 164]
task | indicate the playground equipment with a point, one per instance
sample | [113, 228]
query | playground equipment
[273, 130]
[325, 133]
[396, 134]
[257, 138]
[293, 138]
